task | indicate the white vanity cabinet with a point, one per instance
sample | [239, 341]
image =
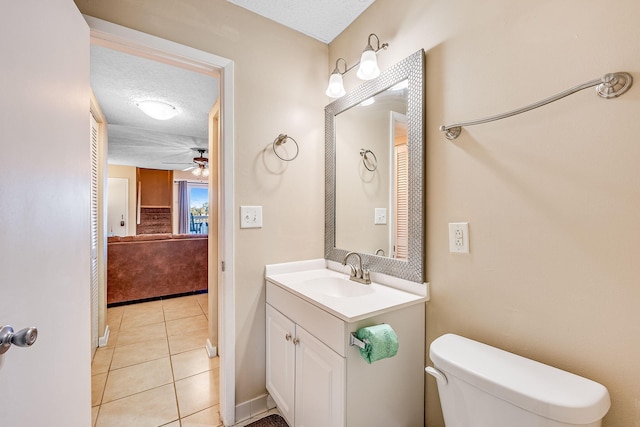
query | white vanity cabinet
[318, 380]
[304, 376]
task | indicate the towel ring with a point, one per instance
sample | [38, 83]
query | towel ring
[282, 139]
[364, 153]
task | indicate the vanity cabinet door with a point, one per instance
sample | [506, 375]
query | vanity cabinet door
[281, 362]
[320, 383]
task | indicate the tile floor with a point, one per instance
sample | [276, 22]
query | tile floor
[155, 370]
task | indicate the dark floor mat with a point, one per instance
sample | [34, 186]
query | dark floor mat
[270, 421]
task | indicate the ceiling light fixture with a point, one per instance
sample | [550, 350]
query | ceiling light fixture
[368, 68]
[201, 171]
[157, 109]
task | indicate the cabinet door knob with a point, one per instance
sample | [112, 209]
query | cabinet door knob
[296, 341]
[287, 337]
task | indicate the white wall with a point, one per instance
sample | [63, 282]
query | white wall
[552, 196]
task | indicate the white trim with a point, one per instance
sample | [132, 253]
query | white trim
[212, 350]
[226, 292]
[125, 39]
[251, 408]
[104, 340]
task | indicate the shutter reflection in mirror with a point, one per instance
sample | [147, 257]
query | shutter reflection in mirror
[401, 183]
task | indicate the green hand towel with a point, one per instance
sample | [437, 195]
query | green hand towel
[380, 341]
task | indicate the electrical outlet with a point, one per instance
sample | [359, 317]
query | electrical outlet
[459, 237]
[380, 216]
[250, 216]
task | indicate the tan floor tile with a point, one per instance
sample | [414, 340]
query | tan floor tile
[179, 312]
[179, 302]
[210, 417]
[101, 360]
[97, 388]
[192, 362]
[203, 300]
[151, 408]
[187, 324]
[188, 341]
[114, 316]
[135, 319]
[133, 354]
[137, 378]
[143, 307]
[94, 415]
[198, 392]
[154, 331]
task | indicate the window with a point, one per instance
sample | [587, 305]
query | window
[198, 208]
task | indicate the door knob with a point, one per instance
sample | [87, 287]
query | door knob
[23, 338]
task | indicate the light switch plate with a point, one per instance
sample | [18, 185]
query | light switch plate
[380, 216]
[250, 216]
[459, 237]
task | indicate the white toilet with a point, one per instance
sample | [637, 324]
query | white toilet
[482, 386]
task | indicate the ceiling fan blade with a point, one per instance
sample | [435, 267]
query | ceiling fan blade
[188, 169]
[177, 163]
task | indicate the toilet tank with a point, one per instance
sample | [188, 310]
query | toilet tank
[483, 386]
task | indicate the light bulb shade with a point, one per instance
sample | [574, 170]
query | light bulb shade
[205, 172]
[368, 65]
[157, 109]
[197, 171]
[336, 87]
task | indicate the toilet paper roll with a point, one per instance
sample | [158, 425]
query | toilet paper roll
[380, 341]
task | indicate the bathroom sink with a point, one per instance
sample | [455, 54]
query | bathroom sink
[332, 291]
[336, 287]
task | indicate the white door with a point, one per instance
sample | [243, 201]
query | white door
[44, 213]
[117, 206]
[281, 361]
[320, 383]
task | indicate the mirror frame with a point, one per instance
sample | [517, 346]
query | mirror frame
[411, 68]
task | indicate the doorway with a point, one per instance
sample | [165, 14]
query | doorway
[220, 262]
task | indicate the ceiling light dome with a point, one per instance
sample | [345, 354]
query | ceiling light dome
[157, 109]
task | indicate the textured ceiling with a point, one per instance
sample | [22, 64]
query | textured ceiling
[120, 80]
[321, 19]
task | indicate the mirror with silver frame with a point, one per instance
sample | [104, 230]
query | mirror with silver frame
[374, 172]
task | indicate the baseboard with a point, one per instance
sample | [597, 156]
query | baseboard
[104, 340]
[252, 407]
[212, 350]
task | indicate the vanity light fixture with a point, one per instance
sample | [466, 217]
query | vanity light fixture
[336, 86]
[368, 68]
[157, 109]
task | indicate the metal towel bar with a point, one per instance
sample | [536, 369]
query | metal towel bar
[610, 85]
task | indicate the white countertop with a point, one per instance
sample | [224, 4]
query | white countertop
[333, 292]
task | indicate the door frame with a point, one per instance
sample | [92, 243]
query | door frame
[114, 36]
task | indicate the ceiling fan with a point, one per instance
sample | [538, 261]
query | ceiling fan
[199, 166]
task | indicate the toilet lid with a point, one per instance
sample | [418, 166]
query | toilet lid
[542, 389]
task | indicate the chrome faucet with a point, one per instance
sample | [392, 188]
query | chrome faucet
[358, 274]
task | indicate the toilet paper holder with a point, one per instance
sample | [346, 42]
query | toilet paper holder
[355, 341]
